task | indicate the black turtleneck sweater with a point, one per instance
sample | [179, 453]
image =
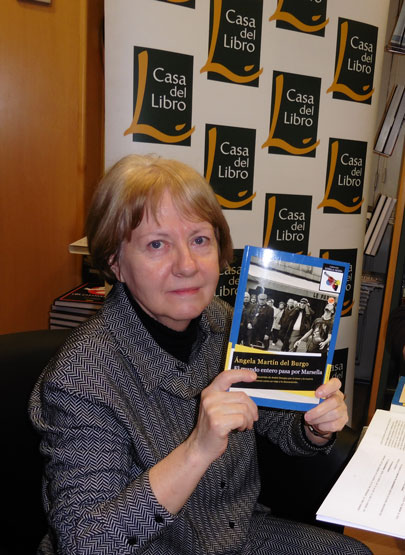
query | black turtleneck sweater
[177, 343]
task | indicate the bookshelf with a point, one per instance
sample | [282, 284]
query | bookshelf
[392, 294]
[390, 179]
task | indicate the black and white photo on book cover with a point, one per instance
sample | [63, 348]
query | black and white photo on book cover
[285, 325]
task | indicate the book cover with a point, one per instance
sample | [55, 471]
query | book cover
[86, 294]
[398, 399]
[285, 325]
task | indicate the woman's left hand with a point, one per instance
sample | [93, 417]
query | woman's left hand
[330, 415]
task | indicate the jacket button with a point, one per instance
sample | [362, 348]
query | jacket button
[132, 541]
[159, 519]
[231, 524]
[181, 367]
[223, 484]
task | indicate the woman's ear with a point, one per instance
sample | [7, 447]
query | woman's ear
[113, 261]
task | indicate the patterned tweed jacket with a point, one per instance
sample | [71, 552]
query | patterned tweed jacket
[111, 405]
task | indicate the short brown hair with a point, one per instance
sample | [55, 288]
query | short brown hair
[137, 182]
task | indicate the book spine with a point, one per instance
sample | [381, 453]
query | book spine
[388, 118]
[396, 128]
[67, 316]
[378, 225]
[397, 40]
[383, 222]
[374, 219]
[64, 323]
[380, 236]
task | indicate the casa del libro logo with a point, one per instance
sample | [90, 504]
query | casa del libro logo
[305, 16]
[287, 221]
[229, 165]
[344, 177]
[355, 61]
[294, 115]
[235, 42]
[162, 99]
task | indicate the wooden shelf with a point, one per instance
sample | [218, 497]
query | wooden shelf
[392, 285]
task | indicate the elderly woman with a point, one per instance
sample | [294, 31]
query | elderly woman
[135, 412]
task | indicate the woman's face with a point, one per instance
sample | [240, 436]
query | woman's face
[170, 266]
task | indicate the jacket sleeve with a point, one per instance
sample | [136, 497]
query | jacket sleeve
[285, 429]
[97, 498]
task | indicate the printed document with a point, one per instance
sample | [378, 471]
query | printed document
[370, 493]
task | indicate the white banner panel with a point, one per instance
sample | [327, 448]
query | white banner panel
[275, 102]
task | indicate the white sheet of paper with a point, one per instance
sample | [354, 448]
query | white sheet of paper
[370, 493]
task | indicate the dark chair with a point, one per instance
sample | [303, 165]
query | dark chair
[293, 486]
[22, 358]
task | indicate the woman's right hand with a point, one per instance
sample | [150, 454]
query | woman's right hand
[221, 412]
[174, 478]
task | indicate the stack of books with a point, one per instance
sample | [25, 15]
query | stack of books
[378, 224]
[76, 306]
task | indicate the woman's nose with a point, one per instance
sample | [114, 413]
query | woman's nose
[184, 262]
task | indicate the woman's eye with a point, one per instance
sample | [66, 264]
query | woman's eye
[155, 244]
[200, 240]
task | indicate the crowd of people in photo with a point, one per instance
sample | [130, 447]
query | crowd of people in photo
[285, 325]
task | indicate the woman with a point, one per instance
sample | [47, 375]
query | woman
[134, 411]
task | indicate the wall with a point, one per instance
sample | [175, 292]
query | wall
[51, 102]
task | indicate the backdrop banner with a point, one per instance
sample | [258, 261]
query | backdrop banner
[274, 101]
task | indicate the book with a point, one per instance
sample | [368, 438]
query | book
[84, 295]
[79, 247]
[290, 363]
[395, 129]
[369, 494]
[393, 116]
[398, 399]
[62, 324]
[83, 311]
[374, 219]
[67, 316]
[396, 43]
[58, 327]
[379, 237]
[380, 226]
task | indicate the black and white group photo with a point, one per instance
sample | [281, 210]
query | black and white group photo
[284, 308]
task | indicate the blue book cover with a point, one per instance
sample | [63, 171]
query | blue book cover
[285, 325]
[398, 400]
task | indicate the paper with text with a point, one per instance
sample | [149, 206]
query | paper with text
[370, 493]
